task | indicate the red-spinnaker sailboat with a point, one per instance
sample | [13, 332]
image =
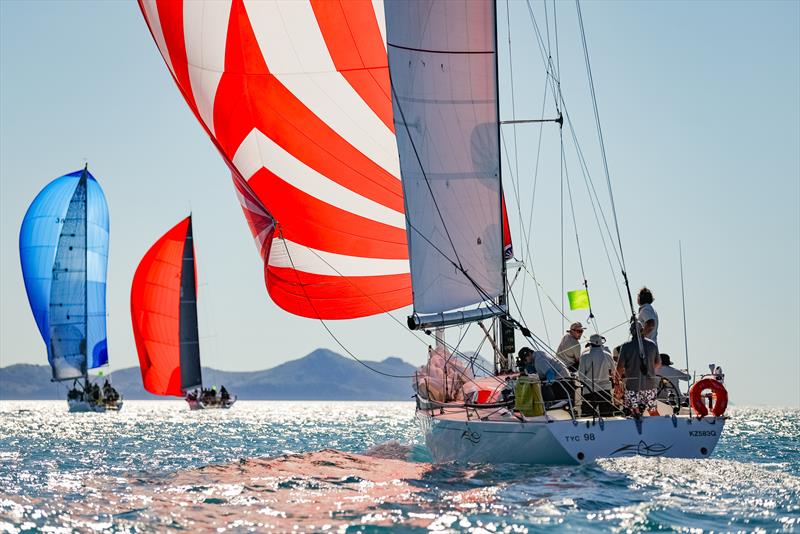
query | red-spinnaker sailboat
[164, 316]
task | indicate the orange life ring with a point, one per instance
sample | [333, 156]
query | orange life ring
[719, 397]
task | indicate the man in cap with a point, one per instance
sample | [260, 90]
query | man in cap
[639, 373]
[674, 376]
[596, 369]
[569, 350]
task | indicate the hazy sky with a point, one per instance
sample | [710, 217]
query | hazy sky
[700, 108]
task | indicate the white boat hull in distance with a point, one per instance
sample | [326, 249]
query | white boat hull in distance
[78, 406]
[452, 437]
[195, 404]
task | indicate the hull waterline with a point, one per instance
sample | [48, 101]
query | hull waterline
[79, 406]
[199, 405]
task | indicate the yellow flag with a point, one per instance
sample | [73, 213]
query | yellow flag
[578, 299]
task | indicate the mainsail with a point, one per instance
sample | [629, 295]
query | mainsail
[442, 58]
[164, 314]
[296, 97]
[63, 245]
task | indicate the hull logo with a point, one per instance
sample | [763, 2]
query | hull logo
[472, 437]
[641, 449]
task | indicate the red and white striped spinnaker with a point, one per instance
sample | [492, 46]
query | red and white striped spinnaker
[296, 97]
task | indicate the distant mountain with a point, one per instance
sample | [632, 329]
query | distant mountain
[321, 375]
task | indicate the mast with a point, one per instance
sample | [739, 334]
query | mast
[85, 364]
[504, 330]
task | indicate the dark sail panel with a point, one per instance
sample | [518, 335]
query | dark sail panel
[191, 374]
[67, 315]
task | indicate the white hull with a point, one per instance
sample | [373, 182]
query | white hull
[199, 405]
[452, 437]
[78, 406]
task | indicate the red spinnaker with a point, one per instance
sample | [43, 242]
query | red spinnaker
[155, 312]
[296, 97]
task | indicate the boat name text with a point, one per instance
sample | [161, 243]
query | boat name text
[702, 433]
[589, 436]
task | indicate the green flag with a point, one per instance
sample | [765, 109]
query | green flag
[578, 299]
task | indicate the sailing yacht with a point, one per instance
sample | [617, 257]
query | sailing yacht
[444, 80]
[363, 140]
[164, 317]
[63, 245]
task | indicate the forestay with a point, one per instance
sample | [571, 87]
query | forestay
[442, 58]
[296, 97]
[63, 247]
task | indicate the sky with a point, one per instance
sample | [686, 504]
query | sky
[700, 110]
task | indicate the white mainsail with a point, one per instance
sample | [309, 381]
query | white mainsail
[443, 68]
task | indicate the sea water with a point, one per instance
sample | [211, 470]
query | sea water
[361, 466]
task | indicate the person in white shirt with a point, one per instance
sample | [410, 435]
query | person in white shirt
[596, 368]
[674, 376]
[647, 314]
[569, 350]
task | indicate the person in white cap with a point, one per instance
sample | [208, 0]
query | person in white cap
[596, 368]
[569, 350]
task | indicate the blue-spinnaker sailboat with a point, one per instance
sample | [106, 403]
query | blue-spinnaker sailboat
[63, 247]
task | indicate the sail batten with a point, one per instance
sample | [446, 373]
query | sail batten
[442, 59]
[296, 97]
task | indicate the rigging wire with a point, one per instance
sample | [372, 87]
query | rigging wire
[637, 331]
[561, 232]
[553, 79]
[454, 349]
[578, 241]
[325, 324]
[603, 153]
[513, 101]
[589, 187]
[594, 198]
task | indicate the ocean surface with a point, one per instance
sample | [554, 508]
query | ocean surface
[361, 467]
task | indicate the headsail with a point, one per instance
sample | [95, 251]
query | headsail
[296, 97]
[164, 314]
[63, 246]
[442, 58]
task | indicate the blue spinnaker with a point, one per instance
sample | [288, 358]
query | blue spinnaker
[63, 247]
